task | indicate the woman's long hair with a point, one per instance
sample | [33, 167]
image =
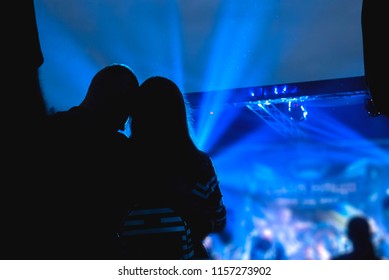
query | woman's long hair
[160, 127]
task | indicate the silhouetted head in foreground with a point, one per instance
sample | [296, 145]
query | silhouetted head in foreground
[360, 234]
[358, 230]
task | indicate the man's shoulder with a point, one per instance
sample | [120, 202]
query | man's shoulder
[64, 121]
[73, 112]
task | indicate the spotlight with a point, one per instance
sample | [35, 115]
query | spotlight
[296, 111]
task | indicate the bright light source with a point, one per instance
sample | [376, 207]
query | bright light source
[296, 111]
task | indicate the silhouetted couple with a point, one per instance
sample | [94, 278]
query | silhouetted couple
[152, 196]
[93, 179]
[71, 181]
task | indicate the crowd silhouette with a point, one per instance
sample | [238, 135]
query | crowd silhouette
[77, 188]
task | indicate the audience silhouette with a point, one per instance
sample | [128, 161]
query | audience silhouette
[360, 235]
[176, 181]
[26, 107]
[374, 52]
[24, 112]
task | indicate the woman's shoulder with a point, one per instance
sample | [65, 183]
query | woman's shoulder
[204, 159]
[204, 166]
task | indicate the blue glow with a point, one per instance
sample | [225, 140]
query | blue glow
[75, 88]
[320, 179]
[211, 125]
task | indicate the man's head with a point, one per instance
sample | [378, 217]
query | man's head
[110, 95]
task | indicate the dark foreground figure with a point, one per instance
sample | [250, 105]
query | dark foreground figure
[359, 233]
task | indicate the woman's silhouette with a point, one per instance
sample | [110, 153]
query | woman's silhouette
[171, 172]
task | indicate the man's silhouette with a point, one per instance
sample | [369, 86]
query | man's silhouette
[86, 164]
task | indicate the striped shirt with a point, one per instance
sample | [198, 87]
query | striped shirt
[151, 232]
[179, 207]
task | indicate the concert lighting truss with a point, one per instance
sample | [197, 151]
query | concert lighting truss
[270, 103]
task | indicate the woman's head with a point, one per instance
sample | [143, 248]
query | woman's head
[161, 112]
